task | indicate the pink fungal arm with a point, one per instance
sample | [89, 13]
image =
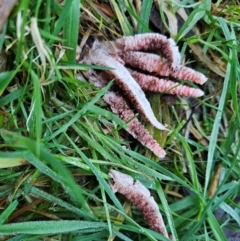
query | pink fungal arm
[151, 41]
[140, 197]
[135, 128]
[154, 84]
[155, 64]
[126, 82]
[150, 73]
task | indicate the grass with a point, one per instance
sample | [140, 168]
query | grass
[59, 140]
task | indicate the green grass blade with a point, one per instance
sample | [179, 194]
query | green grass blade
[81, 112]
[65, 178]
[231, 211]
[8, 211]
[63, 15]
[144, 16]
[194, 17]
[216, 125]
[70, 30]
[11, 162]
[123, 21]
[50, 227]
[37, 110]
[39, 193]
[5, 79]
[16, 94]
[2, 36]
[215, 227]
[99, 177]
[167, 211]
[191, 164]
[109, 115]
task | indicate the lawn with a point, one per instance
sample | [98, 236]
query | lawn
[60, 139]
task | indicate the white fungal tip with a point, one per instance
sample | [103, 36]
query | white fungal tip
[176, 57]
[199, 93]
[204, 79]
